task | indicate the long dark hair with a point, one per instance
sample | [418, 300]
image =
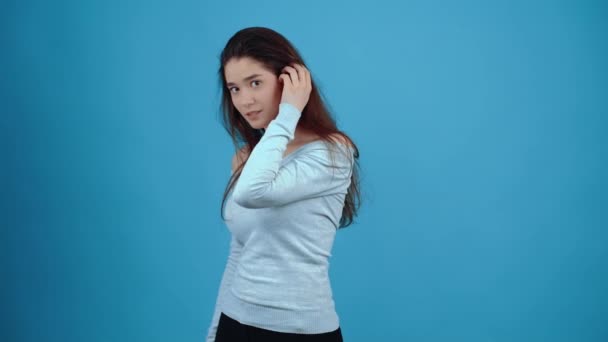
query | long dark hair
[274, 51]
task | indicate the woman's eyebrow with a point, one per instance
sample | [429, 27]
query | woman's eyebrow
[245, 79]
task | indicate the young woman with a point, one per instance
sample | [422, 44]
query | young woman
[294, 183]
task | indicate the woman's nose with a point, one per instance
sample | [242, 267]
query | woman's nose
[247, 99]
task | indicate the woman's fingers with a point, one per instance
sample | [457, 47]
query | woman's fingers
[296, 85]
[305, 79]
[284, 78]
[293, 74]
[300, 76]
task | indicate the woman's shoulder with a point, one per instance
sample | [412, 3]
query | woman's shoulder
[327, 147]
[334, 138]
[316, 144]
[341, 139]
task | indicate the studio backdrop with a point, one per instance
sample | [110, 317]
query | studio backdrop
[481, 127]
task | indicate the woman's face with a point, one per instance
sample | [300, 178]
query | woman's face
[253, 89]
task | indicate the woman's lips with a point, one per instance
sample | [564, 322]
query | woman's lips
[253, 115]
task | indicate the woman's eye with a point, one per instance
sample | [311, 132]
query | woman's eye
[234, 89]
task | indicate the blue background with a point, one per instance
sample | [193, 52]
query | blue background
[482, 131]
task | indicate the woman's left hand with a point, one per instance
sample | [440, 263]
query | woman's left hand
[297, 86]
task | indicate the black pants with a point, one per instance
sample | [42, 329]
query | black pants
[230, 330]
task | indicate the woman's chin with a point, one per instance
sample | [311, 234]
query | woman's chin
[256, 125]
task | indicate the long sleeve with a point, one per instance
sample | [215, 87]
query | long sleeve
[264, 183]
[233, 259]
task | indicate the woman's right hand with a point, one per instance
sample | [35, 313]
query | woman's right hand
[297, 85]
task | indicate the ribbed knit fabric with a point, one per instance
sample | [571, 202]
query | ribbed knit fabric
[283, 215]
